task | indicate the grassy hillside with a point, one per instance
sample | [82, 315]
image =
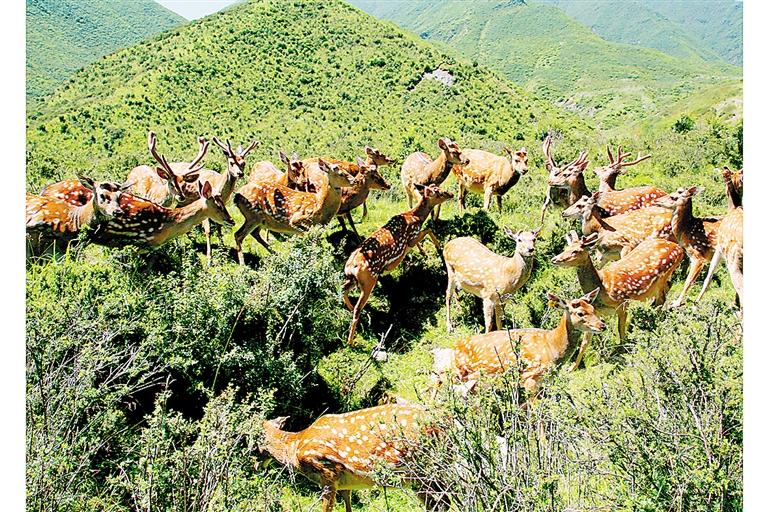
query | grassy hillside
[65, 35]
[689, 30]
[555, 57]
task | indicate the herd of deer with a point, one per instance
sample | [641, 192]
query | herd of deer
[646, 229]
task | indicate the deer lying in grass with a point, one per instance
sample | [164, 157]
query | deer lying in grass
[557, 195]
[57, 218]
[615, 202]
[419, 169]
[170, 181]
[541, 350]
[730, 237]
[473, 267]
[278, 208]
[642, 274]
[385, 249]
[489, 174]
[698, 236]
[340, 452]
[621, 233]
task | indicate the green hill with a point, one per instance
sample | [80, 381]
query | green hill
[555, 57]
[65, 35]
[691, 30]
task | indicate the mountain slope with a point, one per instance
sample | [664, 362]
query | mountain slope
[65, 35]
[708, 30]
[552, 55]
[285, 73]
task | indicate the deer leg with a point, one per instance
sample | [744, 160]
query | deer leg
[487, 198]
[585, 339]
[409, 196]
[462, 196]
[711, 272]
[488, 308]
[498, 313]
[696, 266]
[621, 313]
[345, 288]
[257, 236]
[365, 209]
[352, 224]
[498, 201]
[448, 297]
[347, 497]
[365, 293]
[341, 221]
[737, 276]
[245, 230]
[428, 232]
[207, 230]
[436, 213]
[547, 201]
[328, 494]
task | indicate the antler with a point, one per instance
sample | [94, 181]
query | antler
[618, 162]
[250, 148]
[200, 154]
[547, 146]
[152, 142]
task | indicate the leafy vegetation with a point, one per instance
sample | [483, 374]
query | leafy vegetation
[65, 35]
[148, 375]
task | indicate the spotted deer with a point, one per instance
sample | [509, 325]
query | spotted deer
[642, 274]
[730, 237]
[698, 236]
[386, 248]
[540, 350]
[489, 174]
[340, 452]
[368, 178]
[621, 233]
[55, 219]
[557, 195]
[170, 181]
[419, 169]
[615, 202]
[274, 207]
[474, 268]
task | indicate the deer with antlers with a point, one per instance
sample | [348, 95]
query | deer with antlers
[642, 274]
[58, 217]
[385, 249]
[615, 202]
[558, 196]
[540, 350]
[340, 452]
[170, 181]
[419, 169]
[489, 174]
[274, 207]
[698, 236]
[473, 267]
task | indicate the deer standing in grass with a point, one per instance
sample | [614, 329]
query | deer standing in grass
[489, 174]
[385, 249]
[473, 267]
[541, 350]
[367, 179]
[557, 195]
[642, 274]
[615, 202]
[419, 169]
[170, 181]
[698, 236]
[730, 237]
[340, 452]
[274, 207]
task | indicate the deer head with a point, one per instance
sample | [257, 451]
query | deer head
[236, 157]
[525, 241]
[562, 177]
[678, 198]
[377, 157]
[336, 176]
[174, 181]
[519, 160]
[433, 194]
[616, 166]
[217, 209]
[106, 197]
[583, 207]
[370, 175]
[576, 251]
[452, 151]
[581, 311]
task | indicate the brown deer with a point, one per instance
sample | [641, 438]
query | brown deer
[170, 181]
[419, 169]
[146, 224]
[540, 349]
[474, 268]
[58, 218]
[386, 247]
[340, 452]
[621, 233]
[730, 237]
[368, 178]
[698, 236]
[278, 208]
[615, 202]
[642, 274]
[489, 174]
[558, 196]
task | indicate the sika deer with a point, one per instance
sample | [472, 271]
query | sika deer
[367, 179]
[698, 236]
[540, 349]
[419, 169]
[386, 248]
[642, 274]
[615, 202]
[476, 269]
[621, 233]
[278, 208]
[340, 452]
[489, 174]
[557, 195]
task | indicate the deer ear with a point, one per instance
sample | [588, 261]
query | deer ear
[511, 234]
[443, 142]
[523, 151]
[554, 301]
[162, 173]
[206, 190]
[591, 296]
[87, 183]
[191, 177]
[419, 187]
[359, 161]
[695, 190]
[284, 158]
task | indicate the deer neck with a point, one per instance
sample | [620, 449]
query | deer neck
[577, 187]
[281, 445]
[82, 215]
[734, 199]
[422, 210]
[589, 277]
[563, 339]
[520, 265]
[328, 200]
[439, 169]
[181, 220]
[595, 221]
[607, 185]
[682, 217]
[227, 186]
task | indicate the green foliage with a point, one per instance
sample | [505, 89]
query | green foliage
[65, 35]
[683, 125]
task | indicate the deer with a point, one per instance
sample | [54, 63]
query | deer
[386, 248]
[419, 169]
[340, 452]
[615, 202]
[558, 195]
[730, 237]
[698, 236]
[642, 274]
[474, 268]
[540, 350]
[621, 233]
[278, 208]
[489, 174]
[170, 181]
[368, 178]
